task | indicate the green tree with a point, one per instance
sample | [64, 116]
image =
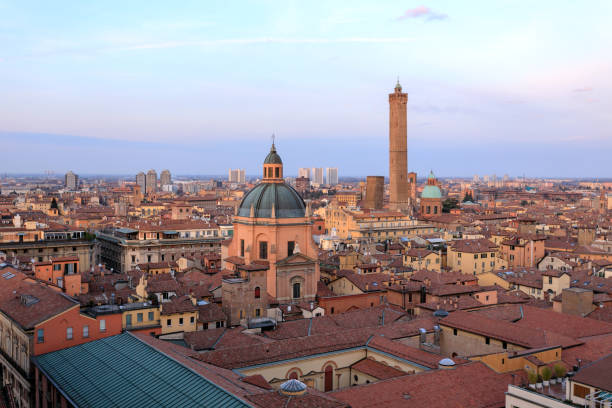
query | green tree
[524, 203]
[449, 204]
[468, 197]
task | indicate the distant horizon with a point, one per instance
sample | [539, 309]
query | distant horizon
[38, 153]
[127, 177]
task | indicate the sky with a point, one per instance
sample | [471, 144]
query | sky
[494, 87]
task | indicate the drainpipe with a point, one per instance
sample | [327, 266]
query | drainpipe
[531, 253]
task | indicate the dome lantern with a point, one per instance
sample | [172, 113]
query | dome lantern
[273, 166]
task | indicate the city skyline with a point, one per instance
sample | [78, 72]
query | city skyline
[521, 89]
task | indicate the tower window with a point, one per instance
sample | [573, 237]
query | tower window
[242, 247]
[277, 172]
[263, 250]
[290, 248]
[257, 292]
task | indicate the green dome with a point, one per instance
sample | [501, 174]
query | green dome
[287, 202]
[431, 192]
[273, 157]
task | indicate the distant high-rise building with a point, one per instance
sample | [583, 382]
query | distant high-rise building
[71, 181]
[331, 176]
[237, 176]
[476, 179]
[165, 178]
[398, 150]
[304, 172]
[151, 181]
[141, 180]
[317, 175]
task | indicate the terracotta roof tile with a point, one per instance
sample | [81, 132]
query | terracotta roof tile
[472, 385]
[376, 369]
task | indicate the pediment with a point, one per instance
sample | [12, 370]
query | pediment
[298, 258]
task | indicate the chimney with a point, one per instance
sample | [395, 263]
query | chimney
[422, 336]
[437, 333]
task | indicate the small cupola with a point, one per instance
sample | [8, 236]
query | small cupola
[273, 167]
[293, 387]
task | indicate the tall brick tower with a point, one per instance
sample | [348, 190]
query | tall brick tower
[399, 195]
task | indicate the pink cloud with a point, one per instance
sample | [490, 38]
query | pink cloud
[422, 12]
[584, 89]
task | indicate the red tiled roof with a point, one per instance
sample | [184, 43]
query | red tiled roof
[182, 304]
[377, 370]
[473, 245]
[413, 354]
[596, 374]
[472, 385]
[236, 357]
[311, 399]
[29, 303]
[257, 380]
[509, 332]
[369, 282]
[561, 323]
[210, 313]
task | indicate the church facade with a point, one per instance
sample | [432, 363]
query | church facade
[273, 230]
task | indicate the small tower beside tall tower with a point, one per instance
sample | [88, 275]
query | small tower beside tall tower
[399, 189]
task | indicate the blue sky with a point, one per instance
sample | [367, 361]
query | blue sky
[517, 87]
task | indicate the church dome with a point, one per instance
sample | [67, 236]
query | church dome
[286, 201]
[273, 157]
[431, 190]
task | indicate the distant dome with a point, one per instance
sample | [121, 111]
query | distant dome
[273, 157]
[293, 387]
[431, 192]
[287, 202]
[446, 362]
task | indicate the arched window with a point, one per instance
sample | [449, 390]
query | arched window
[296, 290]
[293, 376]
[277, 172]
[257, 292]
[329, 378]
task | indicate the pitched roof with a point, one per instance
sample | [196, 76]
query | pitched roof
[30, 303]
[473, 245]
[210, 313]
[311, 399]
[501, 330]
[597, 374]
[237, 357]
[376, 369]
[94, 374]
[181, 304]
[472, 385]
